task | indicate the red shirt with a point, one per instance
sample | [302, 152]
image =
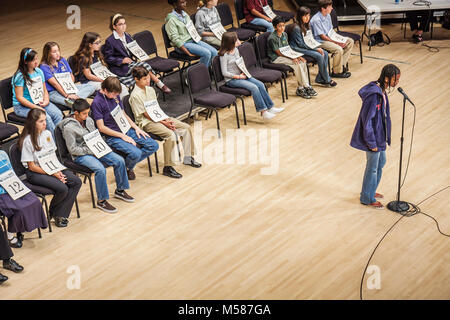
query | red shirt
[253, 4]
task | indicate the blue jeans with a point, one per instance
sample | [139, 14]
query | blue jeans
[84, 91]
[134, 154]
[54, 115]
[260, 96]
[322, 63]
[372, 175]
[263, 23]
[96, 165]
[205, 51]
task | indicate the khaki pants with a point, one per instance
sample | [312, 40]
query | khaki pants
[212, 41]
[340, 55]
[183, 130]
[300, 70]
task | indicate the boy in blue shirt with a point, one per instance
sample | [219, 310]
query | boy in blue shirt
[320, 25]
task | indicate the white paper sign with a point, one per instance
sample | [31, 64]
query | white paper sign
[121, 120]
[65, 80]
[288, 52]
[336, 37]
[241, 65]
[269, 12]
[154, 111]
[137, 51]
[36, 89]
[218, 30]
[101, 71]
[13, 185]
[96, 144]
[49, 162]
[192, 31]
[310, 41]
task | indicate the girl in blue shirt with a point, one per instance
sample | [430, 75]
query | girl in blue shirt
[27, 73]
[297, 43]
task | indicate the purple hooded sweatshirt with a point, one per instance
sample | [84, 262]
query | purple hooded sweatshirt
[373, 128]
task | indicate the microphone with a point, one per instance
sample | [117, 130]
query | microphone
[404, 95]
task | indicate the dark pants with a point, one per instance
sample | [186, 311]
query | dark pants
[422, 16]
[5, 249]
[65, 194]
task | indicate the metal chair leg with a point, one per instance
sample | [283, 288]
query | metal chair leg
[285, 88]
[78, 209]
[39, 233]
[47, 213]
[92, 190]
[180, 71]
[282, 90]
[243, 110]
[237, 115]
[149, 167]
[217, 120]
[360, 50]
[156, 161]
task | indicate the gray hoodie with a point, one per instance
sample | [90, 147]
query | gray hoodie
[204, 18]
[73, 133]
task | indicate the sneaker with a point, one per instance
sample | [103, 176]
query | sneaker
[311, 91]
[275, 110]
[301, 92]
[268, 115]
[131, 175]
[379, 195]
[122, 195]
[106, 206]
[340, 75]
[375, 205]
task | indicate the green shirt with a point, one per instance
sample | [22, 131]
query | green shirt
[274, 42]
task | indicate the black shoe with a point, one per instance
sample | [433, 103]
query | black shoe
[61, 222]
[171, 172]
[12, 266]
[20, 236]
[131, 175]
[122, 195]
[340, 75]
[190, 161]
[17, 244]
[3, 278]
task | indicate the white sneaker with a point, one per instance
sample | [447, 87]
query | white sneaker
[276, 110]
[268, 115]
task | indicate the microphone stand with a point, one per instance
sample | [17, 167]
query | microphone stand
[397, 205]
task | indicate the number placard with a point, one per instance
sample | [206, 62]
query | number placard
[137, 51]
[101, 71]
[154, 111]
[96, 144]
[241, 65]
[310, 41]
[13, 185]
[36, 89]
[218, 30]
[268, 11]
[121, 120]
[66, 82]
[288, 52]
[337, 37]
[49, 162]
[192, 31]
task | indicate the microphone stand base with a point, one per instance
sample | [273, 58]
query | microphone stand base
[398, 206]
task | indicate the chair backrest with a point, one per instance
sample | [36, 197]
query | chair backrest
[127, 107]
[146, 41]
[289, 29]
[239, 9]
[198, 77]
[14, 155]
[217, 71]
[71, 61]
[261, 46]
[192, 16]
[6, 93]
[60, 142]
[248, 54]
[166, 39]
[334, 19]
[226, 18]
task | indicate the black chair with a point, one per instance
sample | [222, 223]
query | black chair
[6, 102]
[261, 48]
[284, 14]
[239, 9]
[226, 18]
[177, 54]
[129, 112]
[162, 66]
[40, 191]
[354, 36]
[66, 160]
[239, 93]
[262, 74]
[198, 79]
[8, 132]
